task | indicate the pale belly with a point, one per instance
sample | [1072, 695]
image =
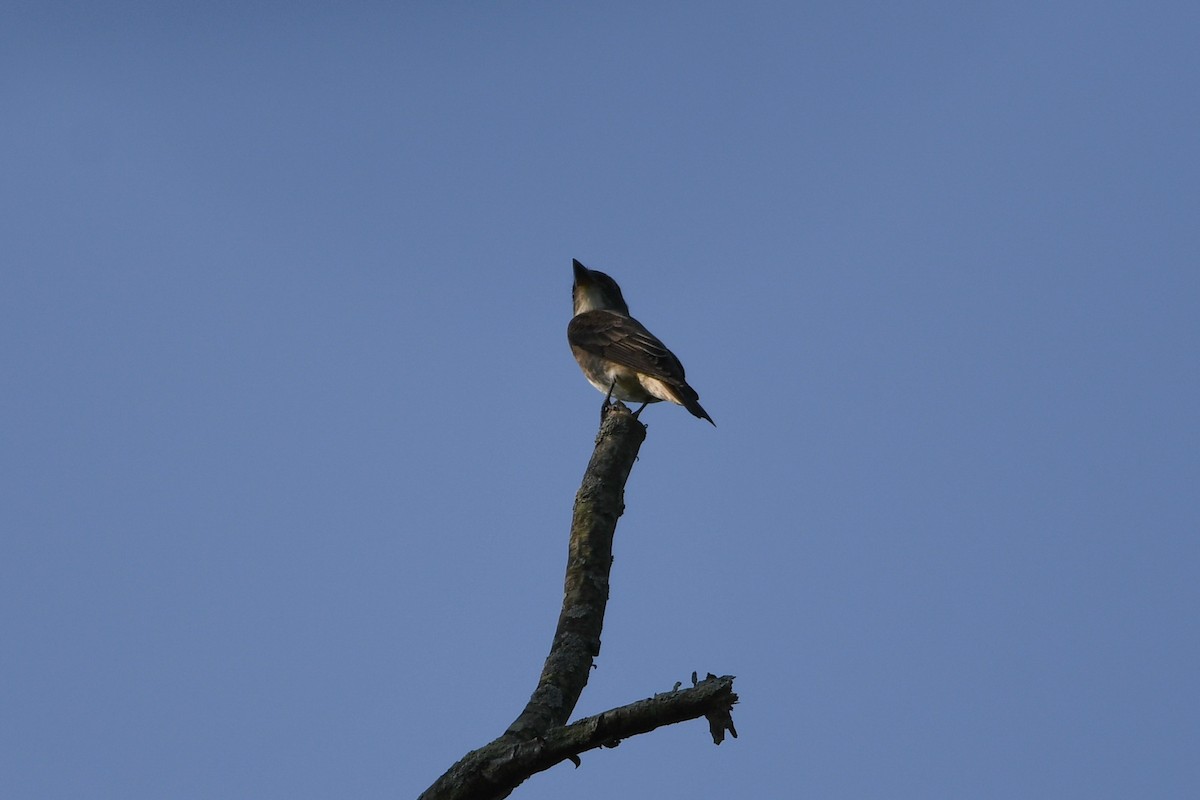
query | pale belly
[626, 384]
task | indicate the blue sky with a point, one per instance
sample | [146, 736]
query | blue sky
[291, 431]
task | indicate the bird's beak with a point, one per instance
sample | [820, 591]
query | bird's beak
[583, 275]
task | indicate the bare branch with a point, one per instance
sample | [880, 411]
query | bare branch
[540, 738]
[495, 770]
[599, 502]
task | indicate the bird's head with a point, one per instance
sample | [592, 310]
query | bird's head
[593, 290]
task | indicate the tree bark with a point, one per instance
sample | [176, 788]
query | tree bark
[539, 738]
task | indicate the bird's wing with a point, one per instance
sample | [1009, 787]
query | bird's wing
[626, 341]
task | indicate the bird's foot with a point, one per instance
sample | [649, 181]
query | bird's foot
[606, 407]
[609, 403]
[612, 405]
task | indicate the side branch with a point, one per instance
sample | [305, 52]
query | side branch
[495, 770]
[713, 698]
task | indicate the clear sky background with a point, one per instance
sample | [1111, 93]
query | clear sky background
[291, 432]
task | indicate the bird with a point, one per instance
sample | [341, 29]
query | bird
[617, 354]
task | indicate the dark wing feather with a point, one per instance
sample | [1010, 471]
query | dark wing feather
[626, 341]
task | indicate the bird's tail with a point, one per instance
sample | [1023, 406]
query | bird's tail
[690, 399]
